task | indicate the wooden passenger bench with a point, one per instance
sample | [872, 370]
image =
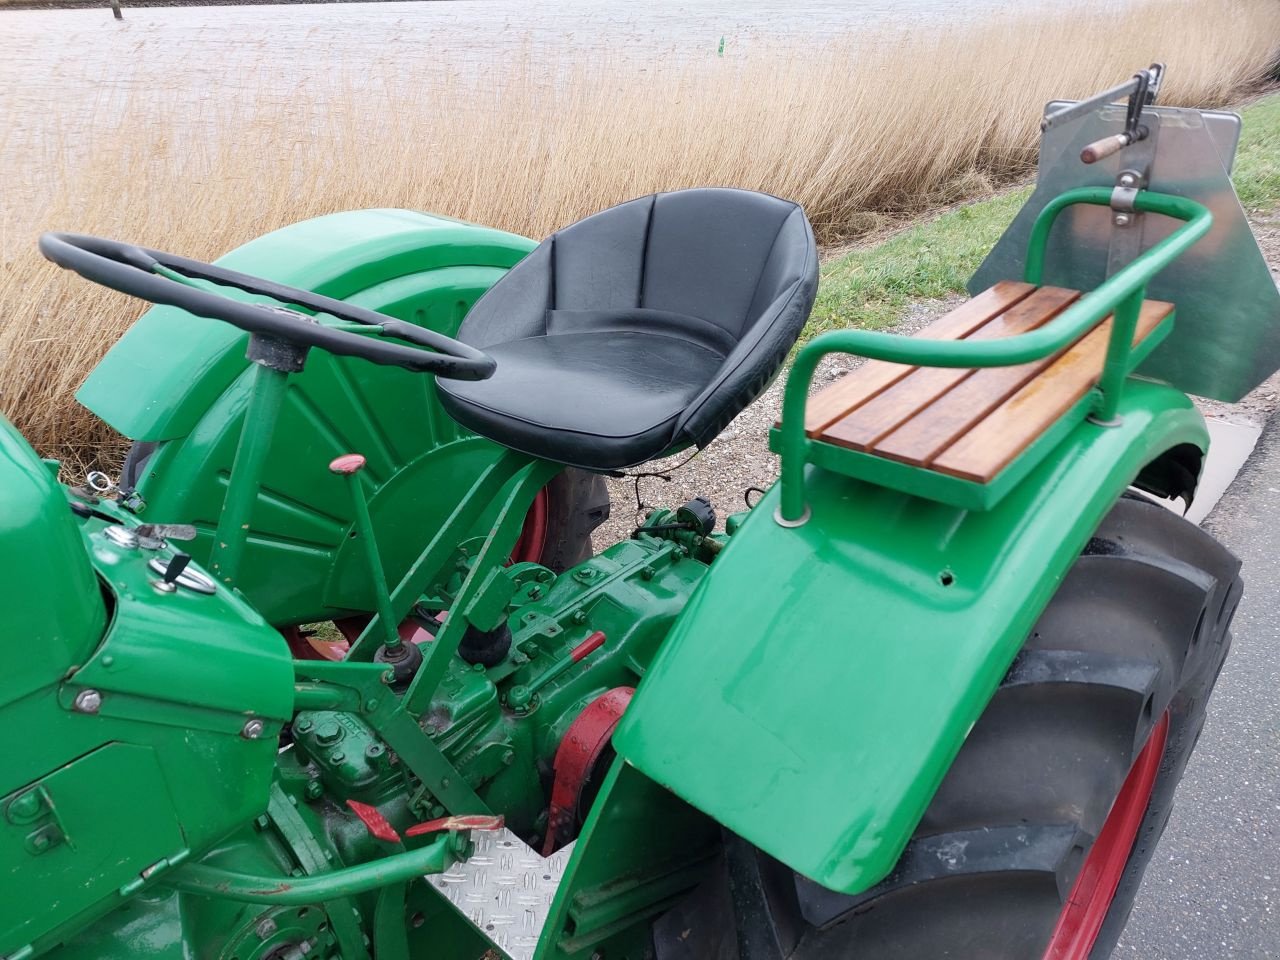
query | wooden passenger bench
[969, 423]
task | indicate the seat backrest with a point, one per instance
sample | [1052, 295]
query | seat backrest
[743, 261]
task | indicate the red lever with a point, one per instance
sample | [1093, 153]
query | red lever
[469, 822]
[587, 646]
[372, 818]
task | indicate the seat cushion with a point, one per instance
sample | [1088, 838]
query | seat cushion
[599, 399]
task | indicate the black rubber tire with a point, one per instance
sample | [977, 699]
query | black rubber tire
[1139, 626]
[578, 502]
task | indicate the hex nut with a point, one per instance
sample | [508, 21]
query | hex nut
[88, 701]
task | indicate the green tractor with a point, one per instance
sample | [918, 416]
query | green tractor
[333, 671]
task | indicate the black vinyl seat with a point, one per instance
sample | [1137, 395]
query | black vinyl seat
[641, 329]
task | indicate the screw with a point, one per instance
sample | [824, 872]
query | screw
[303, 726]
[328, 733]
[265, 928]
[337, 756]
[314, 789]
[1122, 220]
[252, 729]
[580, 617]
[25, 806]
[373, 751]
[1128, 180]
[88, 701]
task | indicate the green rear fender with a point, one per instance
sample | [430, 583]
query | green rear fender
[822, 679]
[183, 382]
[170, 367]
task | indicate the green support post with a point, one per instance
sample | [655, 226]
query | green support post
[532, 476]
[265, 401]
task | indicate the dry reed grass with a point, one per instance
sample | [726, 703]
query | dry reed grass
[893, 121]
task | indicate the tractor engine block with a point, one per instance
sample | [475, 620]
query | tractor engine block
[501, 726]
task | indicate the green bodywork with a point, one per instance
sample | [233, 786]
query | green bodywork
[814, 718]
[96, 798]
[183, 381]
[889, 621]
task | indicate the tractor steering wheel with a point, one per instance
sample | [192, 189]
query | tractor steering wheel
[167, 278]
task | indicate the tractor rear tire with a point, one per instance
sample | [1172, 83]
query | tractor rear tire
[1091, 728]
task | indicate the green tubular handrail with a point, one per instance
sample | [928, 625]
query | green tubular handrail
[219, 883]
[1122, 293]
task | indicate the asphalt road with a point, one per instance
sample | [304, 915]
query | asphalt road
[1213, 888]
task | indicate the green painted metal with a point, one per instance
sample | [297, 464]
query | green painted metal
[1121, 293]
[640, 849]
[170, 367]
[143, 756]
[211, 881]
[185, 381]
[62, 616]
[886, 613]
[245, 480]
[482, 601]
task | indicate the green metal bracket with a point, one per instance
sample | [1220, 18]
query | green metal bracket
[1121, 294]
[530, 477]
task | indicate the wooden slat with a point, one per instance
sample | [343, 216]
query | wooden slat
[885, 412]
[855, 388]
[1007, 430]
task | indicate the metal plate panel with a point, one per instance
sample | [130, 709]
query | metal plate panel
[505, 889]
[1226, 339]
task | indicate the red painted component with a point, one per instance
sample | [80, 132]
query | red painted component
[347, 464]
[533, 535]
[468, 822]
[372, 818]
[1090, 899]
[307, 647]
[587, 646]
[583, 743]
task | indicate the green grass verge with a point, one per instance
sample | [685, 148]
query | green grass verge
[872, 287]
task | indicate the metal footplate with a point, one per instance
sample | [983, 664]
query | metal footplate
[505, 889]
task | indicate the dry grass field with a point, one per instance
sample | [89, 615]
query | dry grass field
[885, 123]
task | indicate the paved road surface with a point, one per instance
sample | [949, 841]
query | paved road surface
[1213, 887]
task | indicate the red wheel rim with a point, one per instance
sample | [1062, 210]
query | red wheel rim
[1091, 895]
[533, 536]
[533, 539]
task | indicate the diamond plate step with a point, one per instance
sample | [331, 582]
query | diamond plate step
[505, 889]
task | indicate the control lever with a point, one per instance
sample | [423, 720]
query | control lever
[152, 536]
[1144, 94]
[172, 571]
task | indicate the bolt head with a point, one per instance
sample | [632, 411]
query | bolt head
[25, 806]
[88, 701]
[252, 729]
[266, 928]
[1122, 220]
[1128, 180]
